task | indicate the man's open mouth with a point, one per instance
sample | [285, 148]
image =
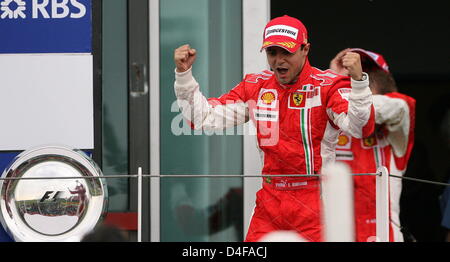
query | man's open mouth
[282, 70]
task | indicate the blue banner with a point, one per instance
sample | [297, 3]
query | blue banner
[45, 26]
[6, 158]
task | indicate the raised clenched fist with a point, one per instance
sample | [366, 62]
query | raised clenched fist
[184, 57]
[347, 63]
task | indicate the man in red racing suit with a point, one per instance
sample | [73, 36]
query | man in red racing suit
[390, 146]
[298, 111]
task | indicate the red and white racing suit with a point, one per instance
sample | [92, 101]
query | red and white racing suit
[390, 146]
[297, 129]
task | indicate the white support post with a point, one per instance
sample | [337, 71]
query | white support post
[256, 14]
[338, 212]
[155, 143]
[139, 209]
[382, 198]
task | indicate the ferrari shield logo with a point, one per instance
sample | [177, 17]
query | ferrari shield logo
[369, 142]
[298, 98]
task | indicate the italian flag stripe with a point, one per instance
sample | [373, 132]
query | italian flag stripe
[303, 124]
[310, 142]
[377, 161]
[379, 156]
[305, 127]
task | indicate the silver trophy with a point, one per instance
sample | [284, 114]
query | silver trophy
[52, 193]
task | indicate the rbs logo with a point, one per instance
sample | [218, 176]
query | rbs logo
[14, 9]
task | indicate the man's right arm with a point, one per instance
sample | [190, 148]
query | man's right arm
[227, 111]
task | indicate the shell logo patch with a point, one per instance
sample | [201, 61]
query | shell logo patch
[268, 97]
[342, 140]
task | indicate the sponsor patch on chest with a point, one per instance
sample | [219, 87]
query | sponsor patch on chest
[268, 98]
[369, 142]
[265, 115]
[343, 148]
[344, 142]
[307, 97]
[343, 155]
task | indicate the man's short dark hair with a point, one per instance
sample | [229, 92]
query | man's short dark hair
[382, 82]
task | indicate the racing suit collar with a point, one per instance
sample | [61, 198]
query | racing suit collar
[304, 75]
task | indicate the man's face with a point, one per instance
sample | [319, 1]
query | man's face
[286, 66]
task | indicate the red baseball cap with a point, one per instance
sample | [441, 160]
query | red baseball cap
[286, 32]
[372, 56]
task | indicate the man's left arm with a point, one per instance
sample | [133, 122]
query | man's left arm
[357, 117]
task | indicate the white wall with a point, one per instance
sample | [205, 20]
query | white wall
[256, 14]
[46, 99]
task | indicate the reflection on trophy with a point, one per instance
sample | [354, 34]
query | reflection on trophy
[80, 198]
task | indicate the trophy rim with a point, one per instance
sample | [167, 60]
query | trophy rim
[86, 168]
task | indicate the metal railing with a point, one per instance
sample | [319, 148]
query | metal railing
[382, 191]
